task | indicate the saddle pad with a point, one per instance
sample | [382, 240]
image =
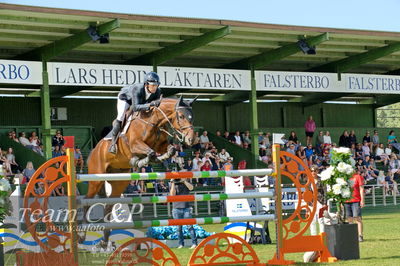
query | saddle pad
[126, 126]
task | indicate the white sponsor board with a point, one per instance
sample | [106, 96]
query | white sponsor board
[204, 78]
[326, 82]
[95, 74]
[171, 77]
[20, 72]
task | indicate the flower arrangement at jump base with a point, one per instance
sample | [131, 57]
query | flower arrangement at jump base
[5, 191]
[336, 178]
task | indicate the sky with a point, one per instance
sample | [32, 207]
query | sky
[347, 14]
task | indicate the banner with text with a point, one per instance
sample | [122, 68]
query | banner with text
[95, 74]
[326, 82]
[20, 72]
[204, 78]
[171, 77]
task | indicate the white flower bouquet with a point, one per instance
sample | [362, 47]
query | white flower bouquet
[337, 176]
[5, 191]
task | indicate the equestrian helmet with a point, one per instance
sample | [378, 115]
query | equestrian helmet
[152, 78]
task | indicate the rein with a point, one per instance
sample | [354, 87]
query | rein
[176, 133]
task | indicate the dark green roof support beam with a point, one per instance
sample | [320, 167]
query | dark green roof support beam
[395, 72]
[237, 96]
[318, 97]
[160, 56]
[350, 62]
[382, 100]
[261, 60]
[58, 47]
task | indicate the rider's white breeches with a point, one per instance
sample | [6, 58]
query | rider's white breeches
[122, 106]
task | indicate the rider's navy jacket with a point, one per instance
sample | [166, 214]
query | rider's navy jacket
[135, 95]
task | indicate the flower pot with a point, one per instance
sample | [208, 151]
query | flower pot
[343, 241]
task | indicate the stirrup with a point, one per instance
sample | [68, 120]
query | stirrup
[113, 148]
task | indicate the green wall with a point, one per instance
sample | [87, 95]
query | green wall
[99, 113]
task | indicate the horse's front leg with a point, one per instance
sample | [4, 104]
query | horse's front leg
[170, 152]
[142, 149]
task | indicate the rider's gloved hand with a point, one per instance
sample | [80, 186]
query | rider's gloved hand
[155, 103]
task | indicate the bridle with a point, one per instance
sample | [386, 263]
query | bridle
[176, 132]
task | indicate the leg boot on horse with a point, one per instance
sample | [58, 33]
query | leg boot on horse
[115, 131]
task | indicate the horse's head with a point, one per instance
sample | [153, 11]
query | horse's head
[183, 120]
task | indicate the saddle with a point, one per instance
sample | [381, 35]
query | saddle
[129, 116]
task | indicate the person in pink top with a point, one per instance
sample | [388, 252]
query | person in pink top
[310, 128]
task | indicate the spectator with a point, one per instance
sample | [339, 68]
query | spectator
[310, 128]
[227, 166]
[293, 138]
[381, 181]
[28, 172]
[260, 137]
[40, 189]
[59, 191]
[10, 158]
[56, 152]
[327, 138]
[344, 140]
[301, 153]
[246, 146]
[291, 149]
[218, 133]
[217, 165]
[132, 188]
[353, 138]
[204, 141]
[375, 141]
[391, 138]
[238, 139]
[207, 158]
[227, 136]
[12, 135]
[182, 210]
[319, 142]
[58, 140]
[206, 167]
[78, 159]
[161, 187]
[224, 155]
[24, 141]
[196, 161]
[34, 139]
[366, 150]
[309, 151]
[394, 166]
[2, 157]
[367, 138]
[381, 156]
[196, 142]
[36, 143]
[267, 141]
[359, 151]
[188, 166]
[321, 202]
[372, 172]
[360, 164]
[246, 138]
[353, 206]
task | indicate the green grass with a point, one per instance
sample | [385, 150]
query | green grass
[381, 245]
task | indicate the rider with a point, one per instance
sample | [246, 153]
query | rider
[140, 96]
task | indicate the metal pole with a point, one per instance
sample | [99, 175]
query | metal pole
[278, 201]
[72, 224]
[373, 196]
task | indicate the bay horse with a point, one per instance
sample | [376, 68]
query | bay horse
[145, 142]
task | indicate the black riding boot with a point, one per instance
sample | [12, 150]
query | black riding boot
[115, 130]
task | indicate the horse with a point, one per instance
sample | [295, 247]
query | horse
[145, 142]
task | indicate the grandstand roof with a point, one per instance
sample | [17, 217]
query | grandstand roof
[27, 32]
